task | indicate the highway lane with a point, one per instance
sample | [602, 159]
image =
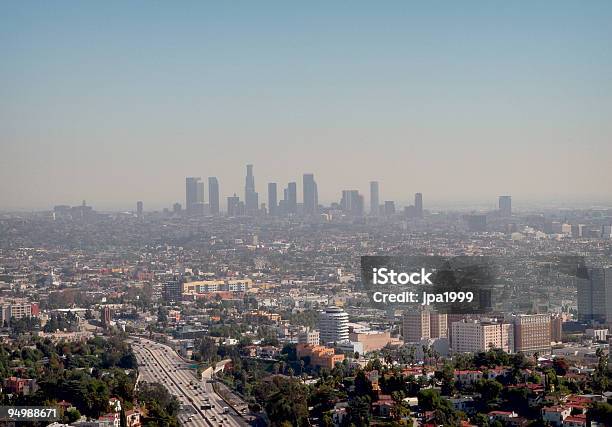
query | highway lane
[182, 381]
[151, 370]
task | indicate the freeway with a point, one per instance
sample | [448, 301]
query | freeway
[159, 363]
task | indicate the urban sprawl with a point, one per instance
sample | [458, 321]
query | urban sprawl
[254, 313]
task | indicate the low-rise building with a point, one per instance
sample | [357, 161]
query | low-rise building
[320, 356]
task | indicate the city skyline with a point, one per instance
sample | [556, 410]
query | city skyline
[462, 104]
[198, 190]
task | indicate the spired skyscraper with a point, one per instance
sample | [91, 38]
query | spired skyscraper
[374, 198]
[505, 206]
[272, 203]
[251, 198]
[311, 195]
[194, 195]
[213, 195]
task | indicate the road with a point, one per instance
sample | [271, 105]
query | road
[159, 363]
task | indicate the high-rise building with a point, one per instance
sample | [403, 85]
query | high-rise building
[418, 205]
[233, 203]
[352, 202]
[389, 207]
[194, 195]
[556, 328]
[438, 325]
[139, 209]
[423, 324]
[374, 198]
[251, 198]
[311, 196]
[415, 325]
[531, 333]
[213, 195]
[595, 294]
[472, 336]
[505, 206]
[272, 203]
[333, 325]
[291, 198]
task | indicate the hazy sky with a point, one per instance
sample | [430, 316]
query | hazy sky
[115, 102]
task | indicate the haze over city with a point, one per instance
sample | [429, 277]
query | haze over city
[119, 102]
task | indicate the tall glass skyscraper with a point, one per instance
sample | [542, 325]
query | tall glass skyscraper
[311, 196]
[272, 201]
[213, 195]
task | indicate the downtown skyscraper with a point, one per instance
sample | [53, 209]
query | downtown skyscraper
[374, 198]
[194, 195]
[311, 195]
[290, 197]
[251, 198]
[418, 205]
[213, 195]
[505, 206]
[272, 199]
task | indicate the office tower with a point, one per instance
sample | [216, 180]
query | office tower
[139, 209]
[418, 205]
[595, 294]
[272, 204]
[352, 202]
[176, 208]
[374, 208]
[416, 325]
[291, 198]
[505, 206]
[531, 333]
[251, 198]
[233, 205]
[172, 291]
[556, 328]
[472, 336]
[213, 195]
[194, 195]
[389, 207]
[333, 325]
[438, 325]
[311, 197]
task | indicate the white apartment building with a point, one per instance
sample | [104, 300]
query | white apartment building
[333, 325]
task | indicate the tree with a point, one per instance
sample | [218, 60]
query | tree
[72, 415]
[489, 390]
[600, 412]
[429, 399]
[286, 401]
[359, 411]
[207, 349]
